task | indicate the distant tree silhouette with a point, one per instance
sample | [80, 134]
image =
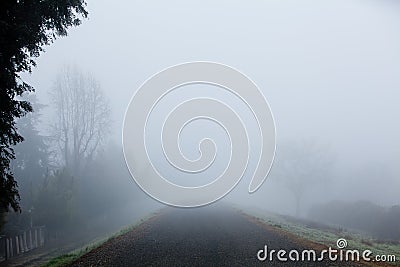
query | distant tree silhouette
[300, 166]
[370, 218]
[82, 118]
[25, 27]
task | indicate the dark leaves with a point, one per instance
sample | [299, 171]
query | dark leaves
[25, 27]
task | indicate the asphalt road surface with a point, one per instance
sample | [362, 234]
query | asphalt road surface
[210, 236]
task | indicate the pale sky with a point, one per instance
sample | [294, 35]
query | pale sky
[329, 69]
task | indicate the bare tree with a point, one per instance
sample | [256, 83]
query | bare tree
[82, 117]
[301, 166]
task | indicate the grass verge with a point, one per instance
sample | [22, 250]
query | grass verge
[66, 259]
[326, 235]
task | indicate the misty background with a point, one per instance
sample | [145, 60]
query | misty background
[329, 71]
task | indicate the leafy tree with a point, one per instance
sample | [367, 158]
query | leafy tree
[32, 155]
[54, 202]
[25, 27]
[30, 166]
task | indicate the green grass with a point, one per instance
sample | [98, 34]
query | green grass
[68, 258]
[62, 260]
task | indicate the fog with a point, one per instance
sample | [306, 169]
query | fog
[329, 71]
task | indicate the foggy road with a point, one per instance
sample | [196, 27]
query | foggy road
[211, 236]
